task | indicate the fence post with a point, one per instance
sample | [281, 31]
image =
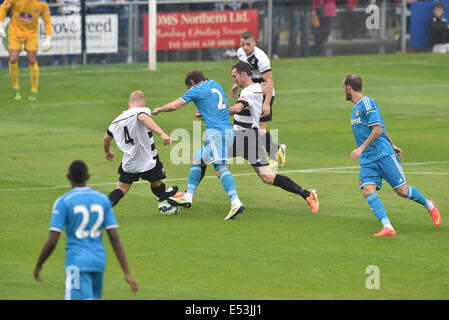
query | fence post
[83, 32]
[270, 27]
[403, 26]
[152, 51]
[130, 32]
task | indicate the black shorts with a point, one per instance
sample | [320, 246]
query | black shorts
[270, 116]
[248, 144]
[155, 174]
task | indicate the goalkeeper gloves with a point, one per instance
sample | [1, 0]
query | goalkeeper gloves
[47, 44]
[2, 30]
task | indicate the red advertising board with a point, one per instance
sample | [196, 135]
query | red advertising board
[200, 30]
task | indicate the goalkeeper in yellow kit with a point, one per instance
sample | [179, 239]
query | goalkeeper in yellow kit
[23, 30]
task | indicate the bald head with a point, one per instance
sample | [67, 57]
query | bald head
[136, 99]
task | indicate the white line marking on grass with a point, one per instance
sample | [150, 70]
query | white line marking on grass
[316, 170]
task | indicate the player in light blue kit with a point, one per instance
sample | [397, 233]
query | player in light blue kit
[378, 156]
[211, 102]
[84, 213]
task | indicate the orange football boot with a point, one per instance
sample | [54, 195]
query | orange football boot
[385, 232]
[312, 200]
[179, 194]
[435, 214]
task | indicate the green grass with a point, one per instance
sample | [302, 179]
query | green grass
[277, 249]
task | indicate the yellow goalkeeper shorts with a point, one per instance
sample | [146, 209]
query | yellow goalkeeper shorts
[15, 43]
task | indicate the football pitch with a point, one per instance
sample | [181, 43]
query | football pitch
[276, 249]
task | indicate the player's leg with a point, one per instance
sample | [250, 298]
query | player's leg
[78, 285]
[161, 192]
[370, 182]
[196, 174]
[156, 176]
[276, 152]
[97, 285]
[34, 73]
[14, 71]
[31, 48]
[119, 192]
[267, 176]
[392, 173]
[220, 143]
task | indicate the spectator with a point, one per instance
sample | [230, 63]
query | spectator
[278, 18]
[438, 30]
[71, 9]
[300, 14]
[326, 11]
[348, 19]
[95, 7]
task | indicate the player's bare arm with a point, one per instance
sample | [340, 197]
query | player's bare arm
[117, 245]
[236, 108]
[376, 131]
[46, 251]
[396, 149]
[151, 125]
[169, 107]
[107, 141]
[268, 79]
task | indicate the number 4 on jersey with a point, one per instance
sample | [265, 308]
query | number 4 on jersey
[128, 139]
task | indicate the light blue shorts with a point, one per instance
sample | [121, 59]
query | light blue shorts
[215, 149]
[83, 285]
[388, 168]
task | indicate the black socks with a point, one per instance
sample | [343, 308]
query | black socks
[159, 192]
[115, 196]
[289, 185]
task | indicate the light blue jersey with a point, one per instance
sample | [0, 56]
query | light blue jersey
[366, 113]
[211, 102]
[84, 213]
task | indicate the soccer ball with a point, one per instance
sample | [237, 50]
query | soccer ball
[166, 208]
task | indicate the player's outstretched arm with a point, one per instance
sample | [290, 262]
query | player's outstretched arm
[151, 125]
[169, 107]
[46, 251]
[376, 131]
[117, 245]
[107, 141]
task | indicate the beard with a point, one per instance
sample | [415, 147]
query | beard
[348, 97]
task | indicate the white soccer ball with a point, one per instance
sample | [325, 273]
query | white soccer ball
[166, 208]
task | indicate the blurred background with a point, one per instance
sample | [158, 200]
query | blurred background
[116, 31]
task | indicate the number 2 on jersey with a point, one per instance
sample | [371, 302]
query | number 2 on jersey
[220, 105]
[128, 138]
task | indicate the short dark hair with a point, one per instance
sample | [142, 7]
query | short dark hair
[242, 67]
[78, 171]
[354, 81]
[247, 35]
[439, 6]
[195, 76]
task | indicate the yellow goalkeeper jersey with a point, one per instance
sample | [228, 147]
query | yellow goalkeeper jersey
[24, 17]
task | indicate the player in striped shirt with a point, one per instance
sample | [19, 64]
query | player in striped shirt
[84, 213]
[133, 134]
[260, 66]
[247, 142]
[378, 156]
